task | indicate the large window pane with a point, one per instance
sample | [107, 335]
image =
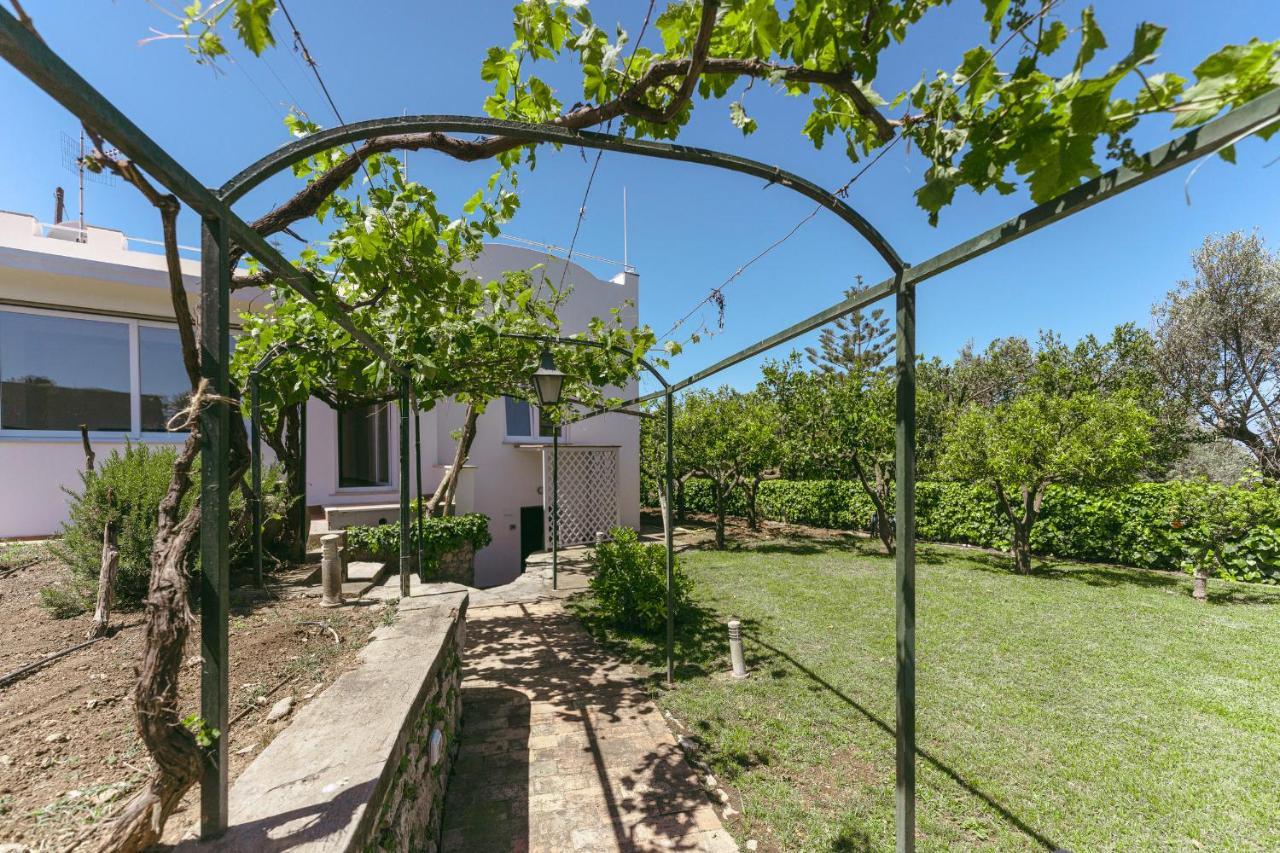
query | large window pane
[165, 386]
[363, 458]
[58, 372]
[519, 424]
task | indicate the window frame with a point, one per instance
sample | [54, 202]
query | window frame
[134, 433]
[389, 438]
[535, 435]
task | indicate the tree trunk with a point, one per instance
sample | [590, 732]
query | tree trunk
[441, 502]
[1200, 584]
[1022, 520]
[753, 489]
[719, 496]
[179, 759]
[1021, 549]
[879, 499]
[106, 575]
[286, 442]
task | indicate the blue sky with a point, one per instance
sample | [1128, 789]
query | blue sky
[690, 227]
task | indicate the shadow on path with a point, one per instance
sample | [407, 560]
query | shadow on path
[562, 749]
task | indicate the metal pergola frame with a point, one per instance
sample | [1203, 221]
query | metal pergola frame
[220, 225]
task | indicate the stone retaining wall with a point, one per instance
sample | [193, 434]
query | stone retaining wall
[458, 565]
[353, 771]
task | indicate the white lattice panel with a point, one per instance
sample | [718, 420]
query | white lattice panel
[588, 492]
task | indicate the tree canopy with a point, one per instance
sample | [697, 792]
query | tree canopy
[1030, 104]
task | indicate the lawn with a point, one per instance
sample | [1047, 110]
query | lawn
[1086, 707]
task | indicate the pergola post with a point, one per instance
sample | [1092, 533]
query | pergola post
[905, 567]
[667, 522]
[555, 506]
[405, 557]
[215, 588]
[255, 447]
[300, 489]
[417, 469]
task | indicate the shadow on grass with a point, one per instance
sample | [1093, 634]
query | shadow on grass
[855, 837]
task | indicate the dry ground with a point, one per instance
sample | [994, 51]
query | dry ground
[69, 752]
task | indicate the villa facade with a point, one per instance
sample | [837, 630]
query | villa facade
[87, 337]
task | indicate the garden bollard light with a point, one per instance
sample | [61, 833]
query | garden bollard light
[599, 538]
[330, 570]
[735, 649]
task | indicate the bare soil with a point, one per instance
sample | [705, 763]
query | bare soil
[69, 750]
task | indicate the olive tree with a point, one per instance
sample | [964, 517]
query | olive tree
[1219, 344]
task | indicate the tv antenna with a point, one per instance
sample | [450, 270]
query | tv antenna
[73, 160]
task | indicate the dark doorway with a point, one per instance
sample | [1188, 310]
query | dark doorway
[532, 532]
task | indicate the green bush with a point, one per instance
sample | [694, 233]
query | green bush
[1131, 525]
[630, 582]
[439, 536]
[138, 477]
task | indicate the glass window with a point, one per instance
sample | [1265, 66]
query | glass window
[363, 457]
[165, 386]
[57, 373]
[519, 423]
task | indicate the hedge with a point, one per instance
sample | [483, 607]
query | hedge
[439, 536]
[1129, 525]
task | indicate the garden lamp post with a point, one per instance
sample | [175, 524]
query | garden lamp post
[547, 384]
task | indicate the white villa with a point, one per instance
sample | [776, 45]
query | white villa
[86, 337]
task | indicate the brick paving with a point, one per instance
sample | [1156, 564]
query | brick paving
[562, 750]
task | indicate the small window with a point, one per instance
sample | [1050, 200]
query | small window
[521, 422]
[165, 386]
[57, 373]
[363, 447]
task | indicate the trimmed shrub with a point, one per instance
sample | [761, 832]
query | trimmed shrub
[138, 478]
[1132, 525]
[439, 536]
[630, 582]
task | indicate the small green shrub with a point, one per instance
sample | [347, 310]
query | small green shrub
[439, 536]
[630, 582]
[138, 478]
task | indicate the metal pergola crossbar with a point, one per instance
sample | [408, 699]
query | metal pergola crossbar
[220, 225]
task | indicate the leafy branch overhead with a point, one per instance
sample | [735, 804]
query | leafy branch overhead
[1030, 104]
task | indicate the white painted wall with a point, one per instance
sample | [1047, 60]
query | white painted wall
[99, 276]
[506, 476]
[103, 276]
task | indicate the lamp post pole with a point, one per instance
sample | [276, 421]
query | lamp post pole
[555, 506]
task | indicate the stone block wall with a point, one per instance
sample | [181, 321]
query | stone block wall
[412, 809]
[458, 565]
[353, 771]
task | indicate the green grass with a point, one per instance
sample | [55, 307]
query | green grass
[1087, 707]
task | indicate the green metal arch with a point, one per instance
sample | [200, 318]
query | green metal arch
[285, 156]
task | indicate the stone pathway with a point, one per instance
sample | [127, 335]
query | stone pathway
[561, 748]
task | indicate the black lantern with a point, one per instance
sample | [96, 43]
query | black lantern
[547, 381]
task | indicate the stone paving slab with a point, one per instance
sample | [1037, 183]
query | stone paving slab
[562, 749]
